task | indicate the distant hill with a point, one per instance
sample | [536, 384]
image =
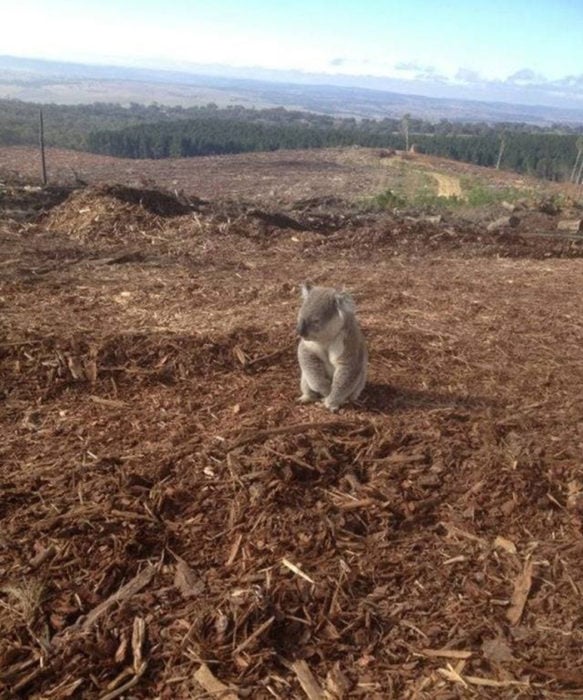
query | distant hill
[35, 80]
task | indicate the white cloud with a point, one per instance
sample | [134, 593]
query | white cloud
[466, 75]
[525, 76]
[415, 67]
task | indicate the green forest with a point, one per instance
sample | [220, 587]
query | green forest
[157, 131]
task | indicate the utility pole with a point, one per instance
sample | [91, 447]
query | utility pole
[41, 138]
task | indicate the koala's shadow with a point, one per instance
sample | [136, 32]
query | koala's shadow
[379, 397]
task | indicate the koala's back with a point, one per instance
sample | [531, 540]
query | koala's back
[354, 343]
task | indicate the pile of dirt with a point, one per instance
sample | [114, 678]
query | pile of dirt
[407, 235]
[24, 201]
[154, 200]
[116, 213]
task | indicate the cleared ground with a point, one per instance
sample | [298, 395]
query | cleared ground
[280, 177]
[172, 519]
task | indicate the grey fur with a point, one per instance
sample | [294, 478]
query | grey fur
[332, 351]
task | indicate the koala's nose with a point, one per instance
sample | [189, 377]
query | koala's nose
[302, 329]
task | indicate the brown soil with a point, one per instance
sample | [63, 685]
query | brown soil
[278, 178]
[172, 519]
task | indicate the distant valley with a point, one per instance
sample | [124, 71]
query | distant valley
[33, 80]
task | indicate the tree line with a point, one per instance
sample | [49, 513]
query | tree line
[546, 155]
[207, 136]
[157, 131]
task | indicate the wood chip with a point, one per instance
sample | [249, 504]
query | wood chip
[271, 356]
[574, 225]
[252, 637]
[186, 581]
[42, 556]
[293, 429]
[112, 403]
[132, 587]
[234, 550]
[506, 545]
[307, 680]
[138, 638]
[491, 683]
[451, 674]
[572, 676]
[522, 585]
[337, 684]
[458, 532]
[213, 686]
[496, 650]
[447, 653]
[122, 689]
[296, 569]
[240, 355]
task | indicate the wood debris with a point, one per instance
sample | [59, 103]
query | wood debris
[522, 586]
[173, 524]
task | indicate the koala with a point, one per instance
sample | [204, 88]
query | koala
[332, 351]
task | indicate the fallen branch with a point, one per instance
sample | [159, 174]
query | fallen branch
[258, 632]
[112, 403]
[132, 587]
[126, 686]
[82, 512]
[455, 676]
[446, 653]
[565, 675]
[271, 356]
[292, 458]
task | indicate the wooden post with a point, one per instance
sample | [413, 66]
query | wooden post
[575, 167]
[579, 175]
[501, 151]
[41, 134]
[578, 167]
[405, 128]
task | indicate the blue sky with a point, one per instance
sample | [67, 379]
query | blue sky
[519, 42]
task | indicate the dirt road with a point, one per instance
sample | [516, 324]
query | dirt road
[447, 185]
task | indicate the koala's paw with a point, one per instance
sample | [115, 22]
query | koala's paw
[306, 398]
[331, 405]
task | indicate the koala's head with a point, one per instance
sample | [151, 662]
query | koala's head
[323, 312]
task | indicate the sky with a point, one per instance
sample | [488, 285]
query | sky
[473, 42]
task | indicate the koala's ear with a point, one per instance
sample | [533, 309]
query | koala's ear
[344, 302]
[306, 288]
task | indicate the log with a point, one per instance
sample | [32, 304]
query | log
[503, 222]
[574, 225]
